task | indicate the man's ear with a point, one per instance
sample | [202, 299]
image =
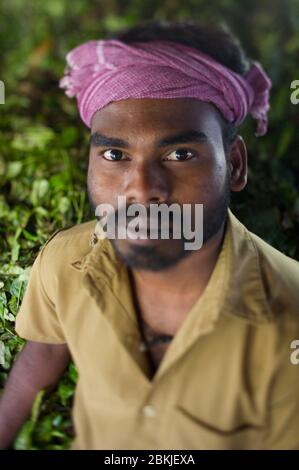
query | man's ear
[238, 164]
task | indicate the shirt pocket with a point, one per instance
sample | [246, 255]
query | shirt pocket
[191, 433]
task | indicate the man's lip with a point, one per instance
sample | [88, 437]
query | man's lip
[146, 223]
[147, 234]
[147, 231]
[142, 229]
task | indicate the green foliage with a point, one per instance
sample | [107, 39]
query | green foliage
[44, 147]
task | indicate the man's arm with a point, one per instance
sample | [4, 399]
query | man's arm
[38, 367]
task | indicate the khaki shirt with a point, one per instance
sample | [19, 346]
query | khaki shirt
[226, 380]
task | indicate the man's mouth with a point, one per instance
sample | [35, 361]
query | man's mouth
[148, 228]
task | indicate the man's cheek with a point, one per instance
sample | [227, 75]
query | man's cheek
[102, 192]
[96, 188]
[218, 179]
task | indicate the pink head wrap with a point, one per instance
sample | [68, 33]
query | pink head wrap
[103, 71]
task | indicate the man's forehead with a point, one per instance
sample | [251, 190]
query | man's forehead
[161, 116]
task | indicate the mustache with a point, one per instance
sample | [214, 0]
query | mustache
[147, 218]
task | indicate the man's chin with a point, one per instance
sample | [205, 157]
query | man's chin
[150, 254]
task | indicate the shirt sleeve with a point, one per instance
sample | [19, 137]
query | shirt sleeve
[37, 319]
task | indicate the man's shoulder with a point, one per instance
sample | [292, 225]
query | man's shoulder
[276, 264]
[279, 276]
[70, 244]
[68, 233]
[264, 283]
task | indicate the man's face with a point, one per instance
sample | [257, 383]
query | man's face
[159, 151]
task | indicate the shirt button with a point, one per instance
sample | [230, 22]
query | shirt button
[149, 411]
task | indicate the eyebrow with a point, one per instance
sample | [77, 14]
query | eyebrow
[191, 136]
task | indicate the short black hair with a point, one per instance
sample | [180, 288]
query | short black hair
[215, 40]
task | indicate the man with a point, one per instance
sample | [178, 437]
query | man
[175, 348]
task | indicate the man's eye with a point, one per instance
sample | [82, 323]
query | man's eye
[180, 155]
[113, 155]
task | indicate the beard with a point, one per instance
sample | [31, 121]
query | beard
[160, 254]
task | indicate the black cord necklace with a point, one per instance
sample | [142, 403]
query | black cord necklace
[152, 338]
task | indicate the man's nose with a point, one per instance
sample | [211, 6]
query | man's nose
[147, 183]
